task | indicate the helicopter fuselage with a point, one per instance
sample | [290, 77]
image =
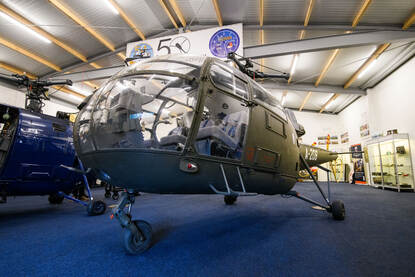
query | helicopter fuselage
[223, 127]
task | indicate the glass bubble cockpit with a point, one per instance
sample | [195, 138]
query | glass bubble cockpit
[149, 105]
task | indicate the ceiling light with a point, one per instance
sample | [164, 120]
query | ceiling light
[294, 64]
[111, 6]
[15, 22]
[367, 69]
[283, 100]
[331, 102]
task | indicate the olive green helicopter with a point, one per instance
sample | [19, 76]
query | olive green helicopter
[180, 124]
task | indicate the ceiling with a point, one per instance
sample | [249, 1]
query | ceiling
[97, 34]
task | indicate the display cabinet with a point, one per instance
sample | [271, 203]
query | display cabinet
[390, 162]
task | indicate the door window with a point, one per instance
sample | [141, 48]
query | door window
[222, 131]
[267, 100]
[224, 78]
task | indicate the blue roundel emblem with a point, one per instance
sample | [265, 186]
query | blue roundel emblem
[223, 42]
[141, 50]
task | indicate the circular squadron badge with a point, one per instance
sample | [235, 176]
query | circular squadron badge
[223, 42]
[141, 51]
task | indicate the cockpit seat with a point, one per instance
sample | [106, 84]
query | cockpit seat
[179, 134]
[230, 131]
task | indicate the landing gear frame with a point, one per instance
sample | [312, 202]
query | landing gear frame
[137, 234]
[336, 208]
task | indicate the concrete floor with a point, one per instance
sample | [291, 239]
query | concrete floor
[198, 235]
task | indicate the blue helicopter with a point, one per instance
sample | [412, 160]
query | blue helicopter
[37, 156]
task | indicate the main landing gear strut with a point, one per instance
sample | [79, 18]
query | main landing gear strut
[336, 208]
[137, 234]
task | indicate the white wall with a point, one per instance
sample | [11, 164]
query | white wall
[16, 98]
[389, 105]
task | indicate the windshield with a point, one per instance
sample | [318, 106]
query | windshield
[149, 105]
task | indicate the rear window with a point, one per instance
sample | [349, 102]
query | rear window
[223, 78]
[267, 99]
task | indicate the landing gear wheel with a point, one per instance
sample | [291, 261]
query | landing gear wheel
[96, 207]
[107, 194]
[55, 199]
[337, 210]
[230, 199]
[137, 237]
[115, 196]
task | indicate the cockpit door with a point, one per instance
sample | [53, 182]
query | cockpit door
[224, 114]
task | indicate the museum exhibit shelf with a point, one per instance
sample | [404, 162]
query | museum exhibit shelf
[390, 162]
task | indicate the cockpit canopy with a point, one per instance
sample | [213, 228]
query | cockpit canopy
[151, 105]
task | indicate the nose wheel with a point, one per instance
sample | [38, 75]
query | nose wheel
[137, 234]
[230, 199]
[137, 237]
[337, 210]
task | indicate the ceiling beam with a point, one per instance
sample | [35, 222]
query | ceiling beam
[29, 54]
[95, 65]
[381, 48]
[319, 27]
[332, 98]
[69, 91]
[300, 37]
[326, 67]
[305, 101]
[308, 13]
[300, 26]
[409, 21]
[360, 13]
[178, 12]
[42, 32]
[373, 57]
[127, 19]
[261, 32]
[105, 54]
[218, 13]
[261, 13]
[121, 55]
[72, 15]
[16, 70]
[326, 43]
[166, 10]
[406, 54]
[335, 53]
[311, 87]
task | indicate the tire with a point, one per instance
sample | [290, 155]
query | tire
[96, 207]
[337, 210]
[230, 199]
[107, 194]
[55, 199]
[115, 196]
[136, 245]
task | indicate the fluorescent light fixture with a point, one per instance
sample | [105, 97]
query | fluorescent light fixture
[283, 100]
[294, 64]
[15, 22]
[367, 69]
[331, 103]
[112, 8]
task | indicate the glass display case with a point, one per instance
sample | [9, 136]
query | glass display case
[390, 162]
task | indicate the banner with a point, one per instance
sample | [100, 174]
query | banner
[214, 42]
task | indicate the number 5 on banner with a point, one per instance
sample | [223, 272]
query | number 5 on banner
[164, 46]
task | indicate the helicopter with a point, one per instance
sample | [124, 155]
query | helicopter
[37, 156]
[180, 124]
